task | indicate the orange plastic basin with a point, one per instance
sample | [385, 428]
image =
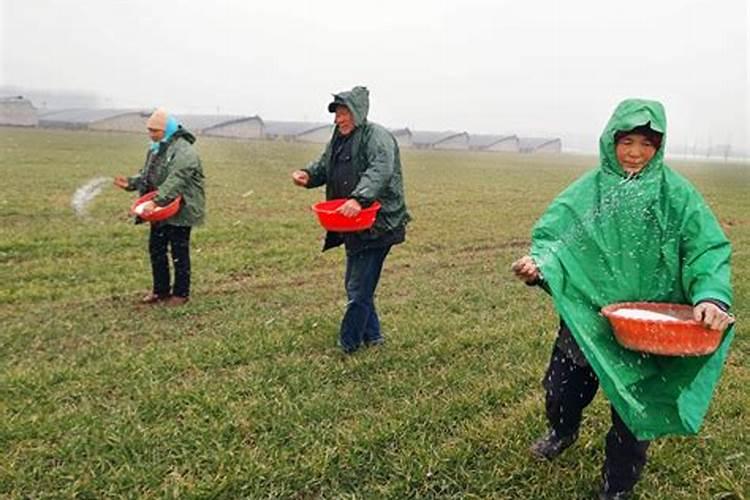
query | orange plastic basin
[677, 334]
[160, 213]
[333, 221]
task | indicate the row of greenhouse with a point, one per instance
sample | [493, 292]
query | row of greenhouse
[17, 111]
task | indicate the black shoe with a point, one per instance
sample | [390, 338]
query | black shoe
[349, 349]
[375, 343]
[551, 445]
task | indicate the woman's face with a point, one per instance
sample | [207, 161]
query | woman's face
[156, 134]
[634, 151]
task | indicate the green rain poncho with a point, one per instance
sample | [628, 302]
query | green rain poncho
[650, 237]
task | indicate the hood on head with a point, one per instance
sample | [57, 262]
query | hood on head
[629, 114]
[357, 100]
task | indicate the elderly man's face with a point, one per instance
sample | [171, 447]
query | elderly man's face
[344, 120]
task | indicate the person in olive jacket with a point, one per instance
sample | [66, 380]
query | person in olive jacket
[174, 169]
[360, 163]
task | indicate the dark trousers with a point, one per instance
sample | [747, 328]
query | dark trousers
[569, 389]
[360, 324]
[177, 239]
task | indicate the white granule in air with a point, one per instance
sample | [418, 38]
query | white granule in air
[86, 193]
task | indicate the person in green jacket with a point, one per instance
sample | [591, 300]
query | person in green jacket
[174, 169]
[360, 163]
[631, 230]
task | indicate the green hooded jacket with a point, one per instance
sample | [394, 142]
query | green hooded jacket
[175, 170]
[610, 237]
[376, 159]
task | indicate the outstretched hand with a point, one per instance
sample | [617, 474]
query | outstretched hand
[121, 181]
[711, 316]
[526, 269]
[300, 178]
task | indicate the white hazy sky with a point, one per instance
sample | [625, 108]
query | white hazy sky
[529, 67]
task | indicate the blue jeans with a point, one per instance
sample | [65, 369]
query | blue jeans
[360, 324]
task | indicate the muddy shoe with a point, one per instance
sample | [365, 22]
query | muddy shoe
[176, 300]
[153, 298]
[551, 445]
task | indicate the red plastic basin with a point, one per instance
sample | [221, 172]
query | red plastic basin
[333, 221]
[159, 213]
[678, 335]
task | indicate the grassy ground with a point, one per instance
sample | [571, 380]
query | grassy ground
[243, 393]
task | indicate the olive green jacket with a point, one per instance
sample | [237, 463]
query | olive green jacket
[175, 170]
[376, 160]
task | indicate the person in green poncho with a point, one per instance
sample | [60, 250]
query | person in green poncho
[631, 230]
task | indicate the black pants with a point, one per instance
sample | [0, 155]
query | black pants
[569, 389]
[177, 238]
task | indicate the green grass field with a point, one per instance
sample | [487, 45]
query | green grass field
[243, 392]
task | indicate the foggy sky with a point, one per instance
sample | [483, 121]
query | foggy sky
[528, 67]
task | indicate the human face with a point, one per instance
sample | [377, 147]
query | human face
[344, 120]
[634, 151]
[155, 134]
